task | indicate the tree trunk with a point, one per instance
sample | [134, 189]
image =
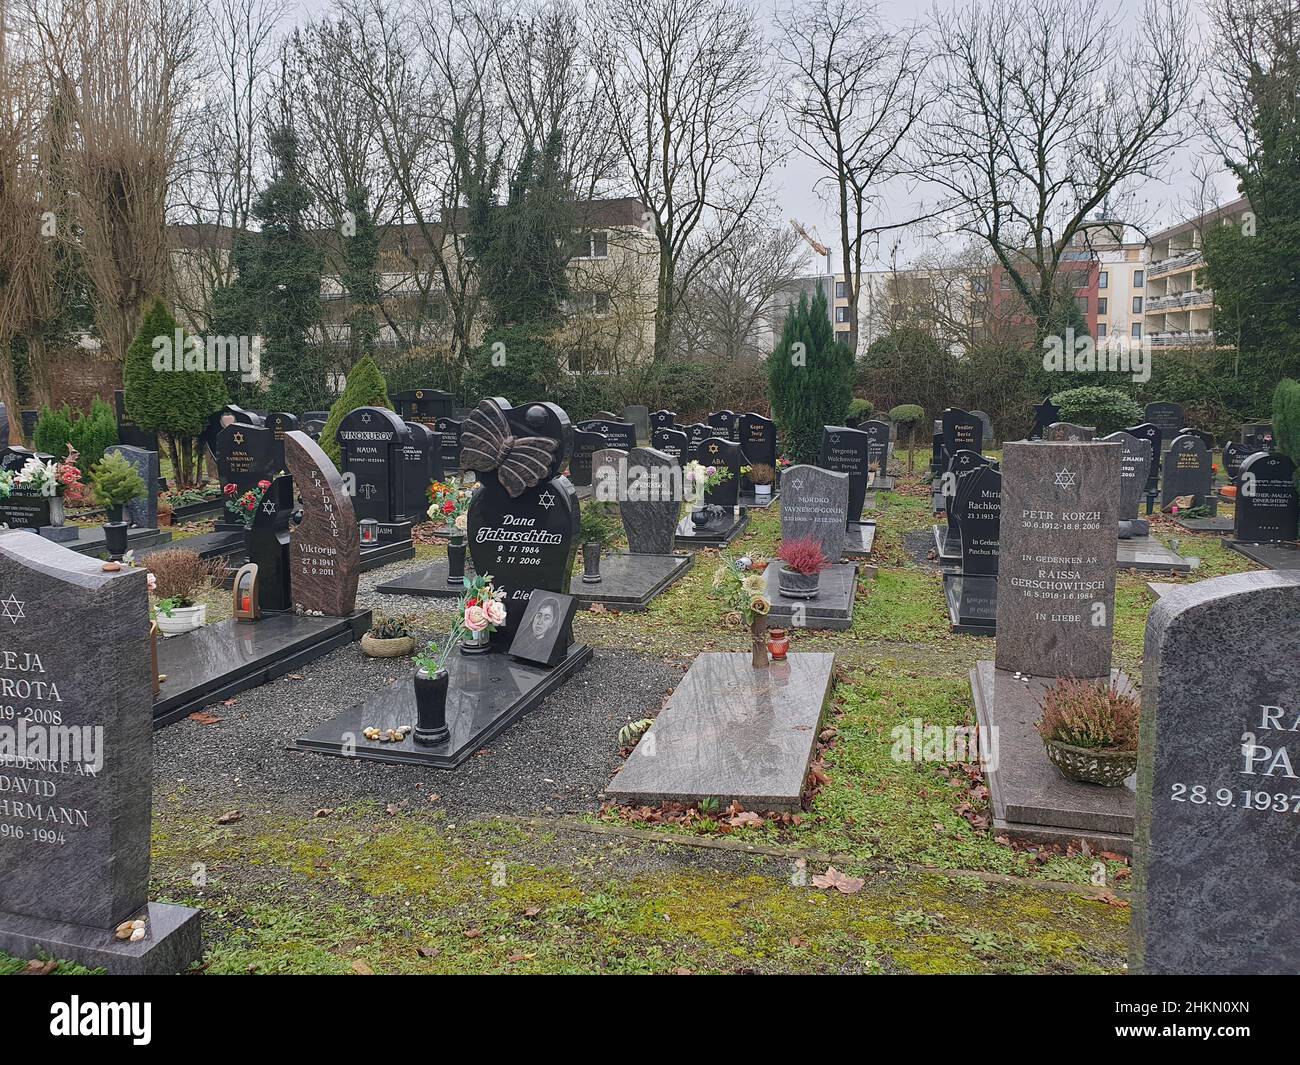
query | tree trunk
[9, 393]
[664, 308]
[173, 452]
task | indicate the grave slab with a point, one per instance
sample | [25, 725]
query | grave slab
[1030, 798]
[487, 694]
[383, 554]
[215, 662]
[630, 581]
[428, 581]
[947, 545]
[1219, 525]
[90, 540]
[717, 534]
[750, 500]
[1270, 556]
[832, 609]
[1148, 554]
[972, 603]
[174, 941]
[859, 540]
[732, 732]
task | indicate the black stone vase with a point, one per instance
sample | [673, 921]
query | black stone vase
[591, 562]
[431, 708]
[115, 538]
[456, 561]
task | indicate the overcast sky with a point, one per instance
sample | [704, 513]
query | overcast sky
[1160, 203]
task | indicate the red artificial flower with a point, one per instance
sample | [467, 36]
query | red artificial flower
[472, 601]
[231, 489]
[448, 507]
[263, 485]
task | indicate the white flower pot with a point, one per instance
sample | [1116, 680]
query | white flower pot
[183, 619]
[762, 490]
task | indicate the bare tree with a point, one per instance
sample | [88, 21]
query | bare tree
[854, 94]
[730, 308]
[1047, 112]
[689, 91]
[123, 67]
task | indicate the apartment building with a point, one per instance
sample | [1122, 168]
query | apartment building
[1179, 308]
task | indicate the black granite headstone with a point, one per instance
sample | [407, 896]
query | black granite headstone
[844, 450]
[423, 405]
[1153, 435]
[448, 430]
[877, 445]
[1234, 455]
[723, 423]
[280, 423]
[621, 435]
[421, 466]
[1258, 435]
[1045, 414]
[724, 454]
[246, 454]
[268, 546]
[584, 446]
[978, 510]
[962, 431]
[370, 444]
[663, 419]
[1134, 468]
[696, 434]
[1187, 471]
[758, 438]
[1169, 416]
[960, 467]
[1204, 437]
[1267, 507]
[527, 541]
[670, 441]
[638, 415]
[128, 432]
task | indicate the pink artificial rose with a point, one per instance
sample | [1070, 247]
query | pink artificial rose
[476, 619]
[496, 612]
[710, 470]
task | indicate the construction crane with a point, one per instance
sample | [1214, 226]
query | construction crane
[812, 242]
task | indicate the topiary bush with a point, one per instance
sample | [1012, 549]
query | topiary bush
[366, 387]
[908, 418]
[1108, 409]
[53, 432]
[95, 432]
[116, 482]
[810, 376]
[860, 410]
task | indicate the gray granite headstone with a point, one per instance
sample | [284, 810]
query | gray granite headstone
[987, 422]
[1134, 467]
[141, 513]
[608, 472]
[1056, 574]
[1069, 432]
[1168, 416]
[813, 503]
[652, 503]
[74, 855]
[1216, 884]
[1187, 470]
[639, 415]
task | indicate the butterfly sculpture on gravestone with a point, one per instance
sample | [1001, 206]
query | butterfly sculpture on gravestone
[520, 462]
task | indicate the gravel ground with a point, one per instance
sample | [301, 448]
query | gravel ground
[556, 759]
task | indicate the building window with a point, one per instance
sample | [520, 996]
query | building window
[1139, 278]
[1103, 279]
[1137, 304]
[1082, 302]
[1137, 330]
[842, 335]
[841, 314]
[593, 246]
[1102, 303]
[589, 303]
[1101, 330]
[841, 290]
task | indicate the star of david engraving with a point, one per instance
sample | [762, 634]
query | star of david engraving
[239, 438]
[268, 507]
[1066, 478]
[13, 609]
[546, 500]
[365, 418]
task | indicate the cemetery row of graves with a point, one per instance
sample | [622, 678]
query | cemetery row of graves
[496, 691]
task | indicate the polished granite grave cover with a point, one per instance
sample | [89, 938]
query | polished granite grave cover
[1219, 525]
[832, 609]
[215, 662]
[947, 545]
[1271, 556]
[1148, 554]
[631, 581]
[732, 732]
[173, 943]
[486, 694]
[972, 603]
[382, 554]
[717, 534]
[748, 498]
[90, 541]
[429, 581]
[1030, 798]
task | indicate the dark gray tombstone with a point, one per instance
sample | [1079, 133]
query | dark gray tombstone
[448, 430]
[1204, 437]
[1215, 886]
[1151, 433]
[639, 416]
[1045, 414]
[1267, 507]
[143, 512]
[1168, 416]
[1134, 471]
[877, 445]
[616, 433]
[608, 474]
[29, 419]
[1187, 470]
[979, 514]
[280, 423]
[546, 630]
[651, 506]
[423, 405]
[723, 453]
[757, 436]
[723, 423]
[1258, 435]
[268, 546]
[584, 446]
[672, 442]
[74, 863]
[663, 419]
[696, 434]
[960, 467]
[1056, 574]
[421, 466]
[370, 444]
[962, 431]
[1234, 455]
[1068, 432]
[844, 450]
[987, 423]
[813, 504]
[245, 454]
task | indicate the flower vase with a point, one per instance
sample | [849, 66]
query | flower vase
[476, 643]
[456, 561]
[591, 563]
[431, 708]
[758, 630]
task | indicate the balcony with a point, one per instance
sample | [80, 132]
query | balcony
[1181, 301]
[1184, 259]
[1195, 338]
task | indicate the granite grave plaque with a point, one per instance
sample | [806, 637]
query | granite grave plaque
[324, 552]
[1187, 471]
[844, 450]
[1134, 467]
[813, 504]
[141, 512]
[1267, 507]
[651, 506]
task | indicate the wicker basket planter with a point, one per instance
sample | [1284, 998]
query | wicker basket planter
[394, 648]
[1108, 768]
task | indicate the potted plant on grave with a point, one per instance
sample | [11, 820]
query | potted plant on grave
[697, 481]
[741, 585]
[597, 532]
[116, 483]
[481, 613]
[800, 574]
[179, 578]
[1090, 731]
[389, 637]
[431, 681]
[763, 477]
